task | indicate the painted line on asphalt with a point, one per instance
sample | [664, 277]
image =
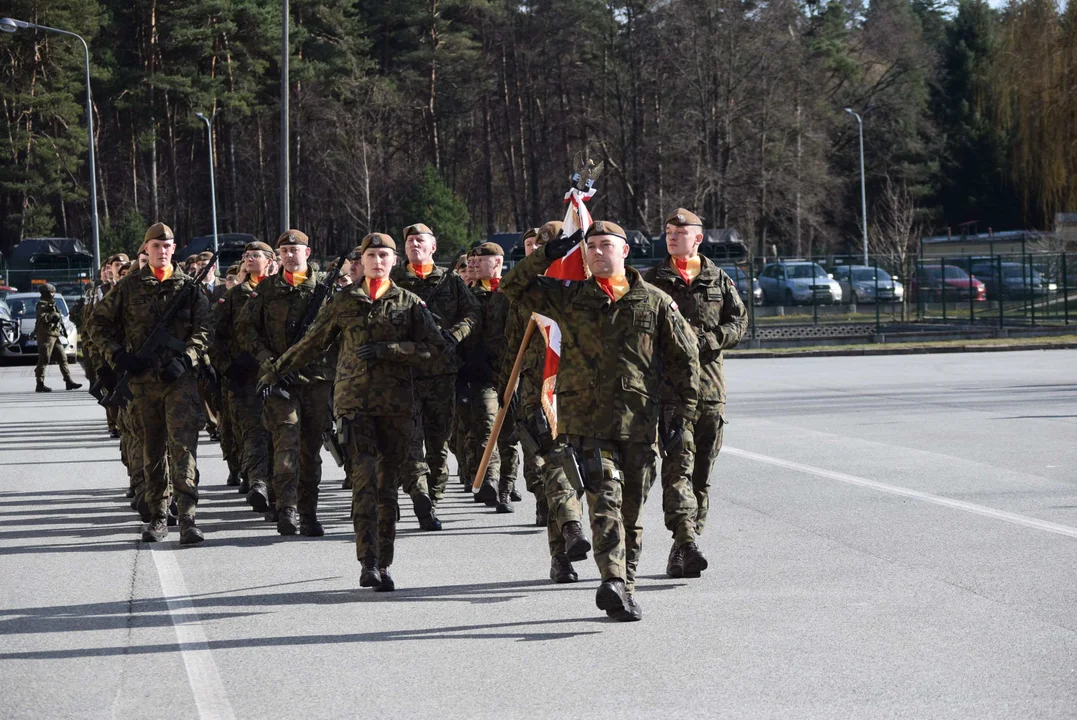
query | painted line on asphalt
[973, 508]
[205, 680]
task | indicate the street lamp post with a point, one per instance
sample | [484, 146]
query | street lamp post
[212, 183]
[10, 25]
[863, 190]
[285, 160]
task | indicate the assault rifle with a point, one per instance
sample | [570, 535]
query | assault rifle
[160, 336]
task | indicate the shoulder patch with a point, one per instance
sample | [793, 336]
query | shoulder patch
[422, 302]
[254, 293]
[220, 301]
[673, 304]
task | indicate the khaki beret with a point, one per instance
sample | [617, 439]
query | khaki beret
[548, 231]
[461, 262]
[233, 270]
[681, 217]
[205, 256]
[158, 231]
[258, 245]
[293, 237]
[119, 257]
[190, 259]
[47, 289]
[417, 229]
[487, 249]
[377, 240]
[528, 233]
[605, 227]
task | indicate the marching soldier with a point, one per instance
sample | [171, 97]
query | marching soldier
[165, 405]
[296, 415]
[49, 328]
[457, 313]
[617, 333]
[382, 331]
[709, 301]
[230, 449]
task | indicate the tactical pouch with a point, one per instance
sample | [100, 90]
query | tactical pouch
[574, 470]
[332, 444]
[590, 453]
[534, 433]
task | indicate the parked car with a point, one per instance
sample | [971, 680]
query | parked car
[24, 311]
[740, 278]
[6, 290]
[858, 284]
[798, 282]
[9, 328]
[1018, 280]
[949, 283]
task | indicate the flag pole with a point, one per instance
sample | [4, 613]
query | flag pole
[510, 389]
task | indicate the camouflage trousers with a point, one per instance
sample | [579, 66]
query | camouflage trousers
[51, 350]
[131, 452]
[296, 426]
[619, 477]
[250, 439]
[479, 409]
[229, 446]
[167, 417]
[377, 447]
[686, 476]
[533, 469]
[211, 404]
[435, 411]
[559, 495]
[509, 458]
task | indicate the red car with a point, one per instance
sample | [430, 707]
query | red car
[949, 283]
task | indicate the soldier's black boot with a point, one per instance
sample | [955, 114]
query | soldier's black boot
[42, 387]
[271, 515]
[576, 543]
[244, 485]
[310, 527]
[233, 479]
[369, 577]
[612, 598]
[189, 534]
[561, 570]
[156, 529]
[675, 563]
[487, 494]
[258, 497]
[504, 502]
[542, 511]
[112, 432]
[424, 511]
[634, 608]
[694, 560]
[287, 521]
[514, 495]
[143, 509]
[130, 493]
[386, 584]
[71, 384]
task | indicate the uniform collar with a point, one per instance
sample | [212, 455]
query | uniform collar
[708, 271]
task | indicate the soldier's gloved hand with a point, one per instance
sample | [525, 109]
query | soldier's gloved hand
[514, 404]
[560, 245]
[450, 341]
[130, 363]
[372, 351]
[175, 367]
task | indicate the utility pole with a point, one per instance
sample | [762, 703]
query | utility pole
[863, 190]
[285, 162]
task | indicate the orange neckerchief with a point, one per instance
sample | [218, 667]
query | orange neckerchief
[162, 274]
[376, 287]
[492, 284]
[255, 279]
[293, 279]
[687, 269]
[422, 271]
[616, 287]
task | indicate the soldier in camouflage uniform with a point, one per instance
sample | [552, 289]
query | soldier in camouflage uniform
[267, 327]
[617, 334]
[382, 332]
[48, 328]
[457, 312]
[709, 301]
[165, 408]
[230, 449]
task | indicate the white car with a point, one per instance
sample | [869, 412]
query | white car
[864, 284]
[24, 310]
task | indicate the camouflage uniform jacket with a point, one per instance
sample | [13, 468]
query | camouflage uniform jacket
[268, 324]
[483, 350]
[454, 307]
[611, 353]
[124, 317]
[382, 386]
[224, 346]
[48, 322]
[712, 306]
[534, 362]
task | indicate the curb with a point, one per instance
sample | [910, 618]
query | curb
[763, 354]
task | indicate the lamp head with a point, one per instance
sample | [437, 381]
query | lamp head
[8, 25]
[200, 116]
[850, 111]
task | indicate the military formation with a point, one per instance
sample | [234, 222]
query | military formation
[392, 362]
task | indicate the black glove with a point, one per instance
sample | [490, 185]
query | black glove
[450, 341]
[175, 367]
[130, 363]
[514, 404]
[371, 351]
[671, 429]
[560, 245]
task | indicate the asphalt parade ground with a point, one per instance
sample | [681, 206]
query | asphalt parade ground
[889, 537]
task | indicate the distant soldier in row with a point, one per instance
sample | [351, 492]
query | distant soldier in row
[49, 328]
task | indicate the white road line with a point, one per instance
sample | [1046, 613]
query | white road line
[1012, 518]
[202, 674]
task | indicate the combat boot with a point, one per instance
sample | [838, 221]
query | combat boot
[287, 521]
[561, 570]
[156, 529]
[130, 493]
[271, 515]
[233, 479]
[542, 511]
[487, 494]
[112, 432]
[634, 608]
[504, 502]
[694, 560]
[424, 510]
[42, 387]
[515, 496]
[576, 544]
[612, 598]
[71, 384]
[189, 534]
[369, 577]
[244, 485]
[258, 497]
[386, 584]
[310, 527]
[675, 563]
[143, 509]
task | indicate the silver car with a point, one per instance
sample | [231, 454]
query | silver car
[863, 285]
[798, 282]
[24, 310]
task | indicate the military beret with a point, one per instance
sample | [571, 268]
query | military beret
[233, 270]
[417, 229]
[377, 240]
[258, 245]
[47, 289]
[528, 233]
[487, 249]
[190, 259]
[158, 231]
[119, 257]
[605, 227]
[548, 231]
[293, 237]
[205, 256]
[681, 217]
[461, 262]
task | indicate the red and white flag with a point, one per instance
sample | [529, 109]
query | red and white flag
[569, 267]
